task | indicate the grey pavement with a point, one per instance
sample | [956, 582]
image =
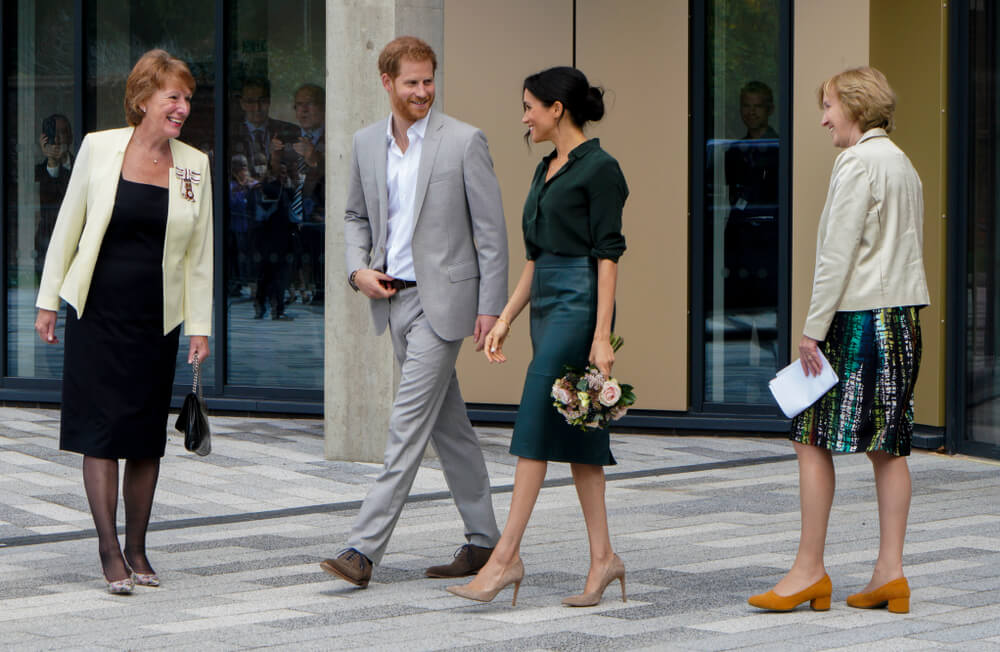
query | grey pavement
[701, 522]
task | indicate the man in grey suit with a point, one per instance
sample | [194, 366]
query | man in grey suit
[427, 244]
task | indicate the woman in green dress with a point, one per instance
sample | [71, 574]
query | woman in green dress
[573, 239]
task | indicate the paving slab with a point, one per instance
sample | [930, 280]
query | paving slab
[701, 522]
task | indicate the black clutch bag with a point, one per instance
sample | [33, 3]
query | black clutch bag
[193, 419]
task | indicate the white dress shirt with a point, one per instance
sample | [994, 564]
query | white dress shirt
[401, 183]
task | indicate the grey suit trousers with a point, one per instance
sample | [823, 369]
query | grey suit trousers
[428, 406]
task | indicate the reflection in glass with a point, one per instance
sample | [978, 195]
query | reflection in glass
[122, 32]
[741, 201]
[983, 292]
[274, 249]
[40, 157]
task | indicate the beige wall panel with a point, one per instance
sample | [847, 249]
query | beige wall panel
[904, 42]
[638, 50]
[490, 48]
[827, 39]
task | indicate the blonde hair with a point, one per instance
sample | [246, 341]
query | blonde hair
[153, 71]
[865, 95]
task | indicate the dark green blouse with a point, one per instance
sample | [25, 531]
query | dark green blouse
[578, 212]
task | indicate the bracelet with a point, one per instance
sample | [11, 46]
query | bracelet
[506, 322]
[351, 282]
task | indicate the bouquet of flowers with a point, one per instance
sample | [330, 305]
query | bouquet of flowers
[587, 399]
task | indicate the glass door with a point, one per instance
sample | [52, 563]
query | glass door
[739, 262]
[974, 290]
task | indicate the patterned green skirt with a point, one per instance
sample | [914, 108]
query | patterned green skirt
[876, 354]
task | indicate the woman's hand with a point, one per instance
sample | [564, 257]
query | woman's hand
[812, 365]
[45, 326]
[199, 345]
[493, 344]
[602, 355]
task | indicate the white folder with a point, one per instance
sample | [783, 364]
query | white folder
[795, 391]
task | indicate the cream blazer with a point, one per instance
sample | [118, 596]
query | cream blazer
[84, 216]
[869, 249]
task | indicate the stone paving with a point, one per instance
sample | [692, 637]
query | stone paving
[701, 523]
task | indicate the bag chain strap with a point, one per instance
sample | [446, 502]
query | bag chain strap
[196, 377]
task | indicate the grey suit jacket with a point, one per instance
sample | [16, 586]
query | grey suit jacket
[459, 236]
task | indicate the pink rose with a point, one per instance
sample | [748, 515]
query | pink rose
[611, 393]
[561, 394]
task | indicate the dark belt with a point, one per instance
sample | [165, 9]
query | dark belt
[399, 284]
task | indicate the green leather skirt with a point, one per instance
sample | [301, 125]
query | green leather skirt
[563, 317]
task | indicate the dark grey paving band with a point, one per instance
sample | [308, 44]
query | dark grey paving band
[202, 521]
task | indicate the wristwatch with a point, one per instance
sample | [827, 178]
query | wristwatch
[350, 281]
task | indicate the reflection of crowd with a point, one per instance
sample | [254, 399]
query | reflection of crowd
[275, 238]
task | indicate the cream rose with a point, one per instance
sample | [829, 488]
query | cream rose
[611, 393]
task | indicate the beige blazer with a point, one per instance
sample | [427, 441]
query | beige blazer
[84, 216]
[869, 249]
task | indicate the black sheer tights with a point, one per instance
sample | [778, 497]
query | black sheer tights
[100, 479]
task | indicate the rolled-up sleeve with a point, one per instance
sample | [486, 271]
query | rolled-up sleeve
[607, 192]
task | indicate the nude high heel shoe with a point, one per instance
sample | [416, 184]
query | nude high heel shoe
[614, 571]
[511, 575]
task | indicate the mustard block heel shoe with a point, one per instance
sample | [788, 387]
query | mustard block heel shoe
[895, 595]
[818, 596]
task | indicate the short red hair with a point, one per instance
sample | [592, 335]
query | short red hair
[153, 71]
[404, 47]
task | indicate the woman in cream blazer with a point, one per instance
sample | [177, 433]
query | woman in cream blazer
[131, 254]
[868, 287]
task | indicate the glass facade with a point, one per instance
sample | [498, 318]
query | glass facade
[39, 157]
[269, 184]
[982, 236]
[737, 238]
[274, 231]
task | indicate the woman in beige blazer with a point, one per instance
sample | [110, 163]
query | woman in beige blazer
[131, 254]
[868, 287]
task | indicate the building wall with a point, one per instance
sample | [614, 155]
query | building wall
[921, 132]
[484, 73]
[645, 128]
[817, 55]
[639, 51]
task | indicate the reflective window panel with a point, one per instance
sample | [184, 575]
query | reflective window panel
[274, 230]
[40, 156]
[740, 245]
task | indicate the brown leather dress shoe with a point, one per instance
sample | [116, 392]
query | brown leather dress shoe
[468, 560]
[350, 565]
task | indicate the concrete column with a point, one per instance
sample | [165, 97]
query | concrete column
[359, 375]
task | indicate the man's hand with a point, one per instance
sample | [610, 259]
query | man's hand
[369, 281]
[484, 323]
[306, 150]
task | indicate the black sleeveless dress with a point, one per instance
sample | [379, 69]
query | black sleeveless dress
[119, 366]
